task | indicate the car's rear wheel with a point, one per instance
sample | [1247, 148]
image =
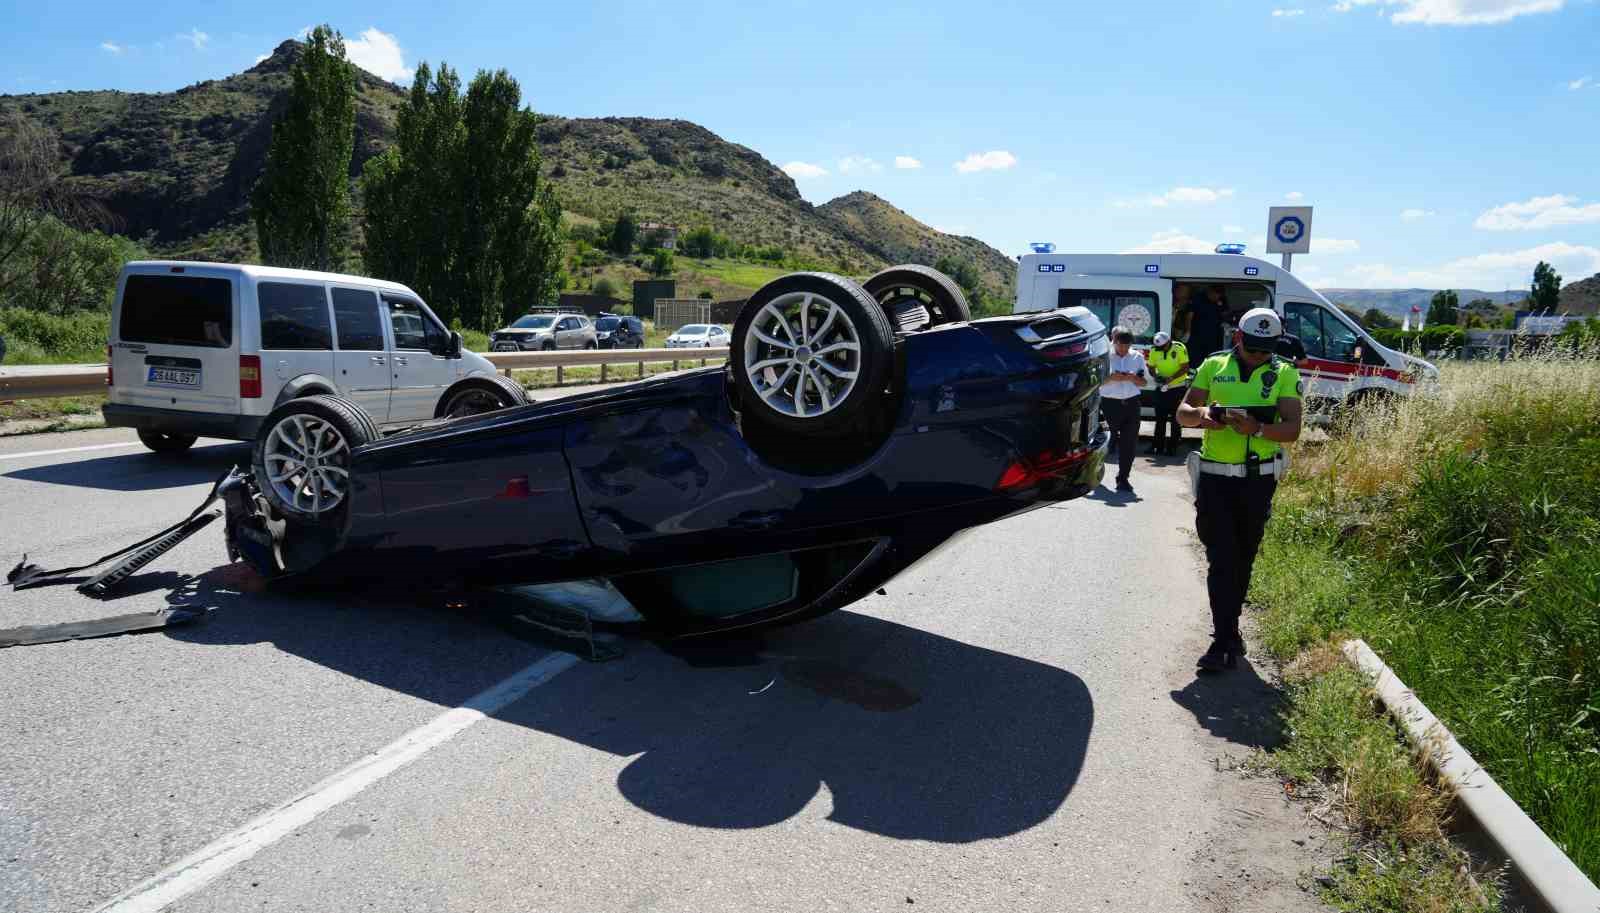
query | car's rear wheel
[302, 458]
[812, 353]
[166, 441]
[917, 297]
[479, 395]
[548, 347]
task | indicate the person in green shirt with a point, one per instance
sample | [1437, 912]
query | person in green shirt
[1248, 401]
[1169, 368]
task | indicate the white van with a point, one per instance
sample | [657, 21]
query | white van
[1149, 294]
[209, 349]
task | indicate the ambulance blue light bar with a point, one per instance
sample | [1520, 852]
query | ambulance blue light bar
[1230, 248]
[1043, 247]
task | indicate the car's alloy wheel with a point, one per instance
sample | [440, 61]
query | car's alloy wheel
[472, 401]
[802, 354]
[307, 461]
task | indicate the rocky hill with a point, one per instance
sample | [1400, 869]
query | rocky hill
[1397, 301]
[177, 167]
[1581, 297]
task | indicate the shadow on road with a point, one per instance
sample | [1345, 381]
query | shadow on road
[914, 735]
[141, 471]
[1235, 705]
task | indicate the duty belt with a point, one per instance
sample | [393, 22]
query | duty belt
[1272, 467]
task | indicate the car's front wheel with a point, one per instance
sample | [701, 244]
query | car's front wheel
[478, 395]
[302, 458]
[166, 441]
[918, 297]
[812, 352]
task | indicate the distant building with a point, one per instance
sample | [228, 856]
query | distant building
[667, 234]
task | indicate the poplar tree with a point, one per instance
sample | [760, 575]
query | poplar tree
[301, 205]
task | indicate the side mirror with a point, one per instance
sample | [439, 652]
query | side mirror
[453, 348]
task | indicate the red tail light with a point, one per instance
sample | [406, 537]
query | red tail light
[249, 376]
[1066, 350]
[109, 377]
[1046, 464]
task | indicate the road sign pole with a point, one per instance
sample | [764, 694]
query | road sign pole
[1287, 258]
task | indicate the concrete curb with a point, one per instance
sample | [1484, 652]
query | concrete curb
[1559, 883]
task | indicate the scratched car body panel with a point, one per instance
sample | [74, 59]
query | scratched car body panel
[669, 489]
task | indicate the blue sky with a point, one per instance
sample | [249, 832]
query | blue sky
[1442, 142]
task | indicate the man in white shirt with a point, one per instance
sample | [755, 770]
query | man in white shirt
[1119, 401]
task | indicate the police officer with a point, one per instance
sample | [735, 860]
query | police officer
[1169, 368]
[1248, 401]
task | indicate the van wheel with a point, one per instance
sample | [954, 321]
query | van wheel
[812, 353]
[478, 395]
[167, 441]
[302, 459]
[918, 297]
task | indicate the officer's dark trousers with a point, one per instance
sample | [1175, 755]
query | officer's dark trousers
[1122, 415]
[1167, 414]
[1230, 516]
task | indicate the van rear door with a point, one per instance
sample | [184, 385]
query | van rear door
[175, 341]
[1143, 305]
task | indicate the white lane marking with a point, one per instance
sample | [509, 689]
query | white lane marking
[211, 862]
[18, 456]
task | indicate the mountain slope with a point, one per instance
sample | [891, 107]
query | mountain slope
[1397, 301]
[177, 167]
[892, 235]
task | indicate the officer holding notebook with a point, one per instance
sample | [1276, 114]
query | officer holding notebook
[1248, 401]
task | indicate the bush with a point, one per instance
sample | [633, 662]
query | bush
[605, 287]
[32, 336]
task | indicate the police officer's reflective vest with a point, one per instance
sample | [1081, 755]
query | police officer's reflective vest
[1165, 363]
[1222, 377]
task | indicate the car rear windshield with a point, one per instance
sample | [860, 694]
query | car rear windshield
[607, 323]
[178, 310]
[532, 323]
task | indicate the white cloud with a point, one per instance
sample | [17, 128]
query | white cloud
[111, 46]
[1234, 230]
[1539, 212]
[195, 37]
[1179, 195]
[1285, 14]
[801, 171]
[1333, 245]
[858, 164]
[1294, 196]
[906, 162]
[993, 160]
[1574, 85]
[379, 54]
[1503, 269]
[1412, 215]
[1173, 241]
[1454, 12]
[262, 57]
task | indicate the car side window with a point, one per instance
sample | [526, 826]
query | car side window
[1305, 321]
[294, 316]
[1338, 339]
[355, 317]
[410, 324]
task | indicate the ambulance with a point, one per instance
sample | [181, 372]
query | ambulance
[1150, 293]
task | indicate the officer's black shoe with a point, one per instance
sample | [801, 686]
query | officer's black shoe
[1221, 656]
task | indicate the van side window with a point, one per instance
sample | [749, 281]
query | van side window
[1305, 321]
[414, 329]
[293, 316]
[177, 310]
[355, 315]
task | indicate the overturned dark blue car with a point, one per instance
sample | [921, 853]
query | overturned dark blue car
[854, 429]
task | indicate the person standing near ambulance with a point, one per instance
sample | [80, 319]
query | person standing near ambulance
[1119, 401]
[1169, 368]
[1248, 401]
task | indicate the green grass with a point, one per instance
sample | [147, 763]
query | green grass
[1458, 535]
[748, 276]
[34, 338]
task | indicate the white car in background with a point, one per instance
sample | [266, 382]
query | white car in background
[698, 336]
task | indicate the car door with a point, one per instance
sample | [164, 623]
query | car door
[296, 333]
[567, 334]
[421, 371]
[718, 337]
[361, 356]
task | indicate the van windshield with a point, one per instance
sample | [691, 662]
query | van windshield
[177, 310]
[607, 323]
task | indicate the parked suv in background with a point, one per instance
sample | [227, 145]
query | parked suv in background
[212, 348]
[619, 332]
[545, 332]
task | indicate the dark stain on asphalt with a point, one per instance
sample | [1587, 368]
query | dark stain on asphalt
[869, 692]
[353, 831]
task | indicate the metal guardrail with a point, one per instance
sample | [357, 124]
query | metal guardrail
[43, 381]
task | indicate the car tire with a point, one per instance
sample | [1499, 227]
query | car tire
[591, 345]
[479, 396]
[918, 297]
[548, 347]
[811, 354]
[302, 457]
[166, 441]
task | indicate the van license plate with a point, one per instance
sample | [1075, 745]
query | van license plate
[175, 377]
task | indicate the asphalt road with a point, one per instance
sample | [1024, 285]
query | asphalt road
[1015, 727]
